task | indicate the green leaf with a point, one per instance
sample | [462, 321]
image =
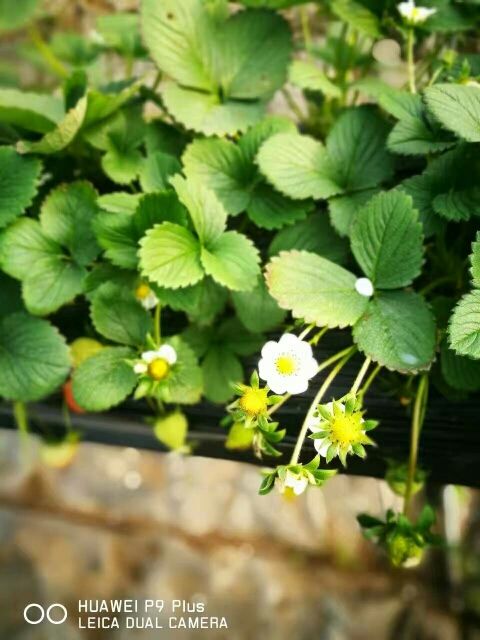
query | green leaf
[51, 283]
[257, 310]
[36, 112]
[34, 358]
[120, 31]
[464, 330]
[416, 136]
[457, 108]
[202, 302]
[309, 77]
[316, 235]
[171, 430]
[387, 240]
[18, 184]
[206, 211]
[240, 341]
[356, 148]
[298, 166]
[118, 316]
[460, 372]
[119, 202]
[156, 170]
[358, 17]
[221, 369]
[343, 209]
[115, 234]
[232, 261]
[61, 136]
[219, 165]
[170, 256]
[10, 295]
[23, 246]
[15, 14]
[269, 209]
[184, 384]
[66, 217]
[122, 166]
[105, 379]
[458, 205]
[315, 289]
[207, 113]
[398, 332]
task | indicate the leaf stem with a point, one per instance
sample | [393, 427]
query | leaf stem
[369, 380]
[46, 52]
[157, 321]
[418, 417]
[318, 397]
[361, 375]
[21, 418]
[307, 34]
[411, 61]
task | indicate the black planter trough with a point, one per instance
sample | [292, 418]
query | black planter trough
[449, 445]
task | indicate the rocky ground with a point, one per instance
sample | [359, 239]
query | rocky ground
[119, 523]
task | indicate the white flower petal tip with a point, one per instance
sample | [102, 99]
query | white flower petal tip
[168, 353]
[140, 367]
[364, 287]
[413, 14]
[294, 482]
[287, 365]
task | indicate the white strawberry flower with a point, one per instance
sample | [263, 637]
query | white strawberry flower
[287, 365]
[364, 287]
[156, 364]
[413, 14]
[295, 483]
[146, 296]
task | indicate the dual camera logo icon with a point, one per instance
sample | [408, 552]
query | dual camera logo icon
[35, 613]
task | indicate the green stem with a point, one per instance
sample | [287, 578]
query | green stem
[293, 105]
[306, 331]
[436, 283]
[307, 34]
[317, 399]
[411, 61]
[157, 323]
[369, 381]
[21, 418]
[46, 52]
[322, 366]
[418, 417]
[360, 376]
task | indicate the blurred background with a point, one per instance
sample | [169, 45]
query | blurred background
[123, 523]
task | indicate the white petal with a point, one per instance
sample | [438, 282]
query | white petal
[314, 423]
[300, 485]
[270, 350]
[150, 301]
[148, 356]
[266, 368]
[321, 447]
[296, 384]
[140, 367]
[290, 342]
[303, 350]
[168, 353]
[278, 384]
[309, 368]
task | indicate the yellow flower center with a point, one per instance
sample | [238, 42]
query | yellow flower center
[254, 401]
[142, 291]
[158, 369]
[346, 429]
[286, 365]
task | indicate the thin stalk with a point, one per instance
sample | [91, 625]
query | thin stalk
[46, 52]
[319, 396]
[369, 380]
[307, 34]
[411, 61]
[21, 418]
[306, 331]
[157, 324]
[418, 417]
[360, 376]
[322, 366]
[293, 105]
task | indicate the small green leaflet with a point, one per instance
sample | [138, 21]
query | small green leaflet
[460, 372]
[315, 289]
[184, 384]
[105, 379]
[457, 108]
[118, 316]
[18, 184]
[36, 112]
[464, 329]
[34, 358]
[387, 240]
[309, 77]
[397, 331]
[257, 310]
[475, 261]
